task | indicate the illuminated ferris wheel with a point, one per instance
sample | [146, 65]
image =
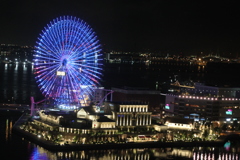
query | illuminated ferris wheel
[67, 61]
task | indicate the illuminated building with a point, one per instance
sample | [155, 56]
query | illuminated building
[201, 102]
[142, 95]
[117, 115]
[129, 114]
[174, 123]
[229, 114]
[132, 118]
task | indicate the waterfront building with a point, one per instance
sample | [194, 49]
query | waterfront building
[153, 98]
[117, 114]
[129, 114]
[212, 91]
[229, 115]
[129, 121]
[11, 53]
[174, 123]
[202, 102]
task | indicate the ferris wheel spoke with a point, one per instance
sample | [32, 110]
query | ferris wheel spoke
[93, 77]
[74, 39]
[82, 80]
[83, 43]
[48, 43]
[46, 76]
[51, 84]
[67, 60]
[41, 55]
[45, 72]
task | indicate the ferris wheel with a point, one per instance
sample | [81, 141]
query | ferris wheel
[67, 61]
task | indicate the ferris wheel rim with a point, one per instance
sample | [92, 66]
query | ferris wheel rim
[77, 57]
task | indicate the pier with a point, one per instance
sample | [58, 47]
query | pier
[49, 145]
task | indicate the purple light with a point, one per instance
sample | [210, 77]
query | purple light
[68, 56]
[229, 112]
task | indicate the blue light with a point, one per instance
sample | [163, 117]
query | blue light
[167, 106]
[229, 112]
[227, 145]
[67, 45]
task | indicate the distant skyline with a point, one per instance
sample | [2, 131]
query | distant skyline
[132, 25]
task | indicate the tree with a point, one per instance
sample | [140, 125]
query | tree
[235, 125]
[224, 127]
[205, 133]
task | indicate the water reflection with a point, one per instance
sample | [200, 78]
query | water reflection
[8, 129]
[217, 153]
[120, 154]
[18, 84]
[212, 156]
[197, 153]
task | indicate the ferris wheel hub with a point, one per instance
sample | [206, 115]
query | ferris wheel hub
[64, 62]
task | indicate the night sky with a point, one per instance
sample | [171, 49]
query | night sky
[132, 25]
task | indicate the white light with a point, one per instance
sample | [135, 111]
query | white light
[84, 86]
[61, 73]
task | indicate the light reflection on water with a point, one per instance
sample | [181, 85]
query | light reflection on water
[17, 83]
[8, 129]
[120, 154]
[38, 155]
[212, 156]
[136, 154]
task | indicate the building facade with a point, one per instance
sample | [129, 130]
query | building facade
[201, 103]
[128, 114]
[153, 98]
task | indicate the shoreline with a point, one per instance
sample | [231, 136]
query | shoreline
[74, 147]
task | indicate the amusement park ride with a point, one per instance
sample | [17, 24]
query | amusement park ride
[68, 64]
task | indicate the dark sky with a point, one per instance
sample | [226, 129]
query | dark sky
[132, 25]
